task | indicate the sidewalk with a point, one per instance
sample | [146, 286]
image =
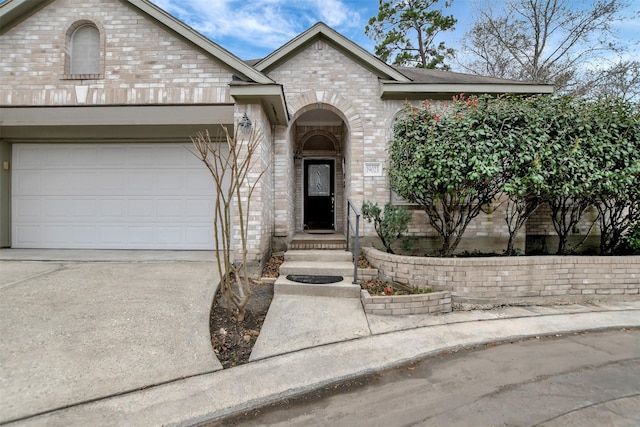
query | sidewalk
[391, 341]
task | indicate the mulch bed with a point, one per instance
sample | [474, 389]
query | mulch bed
[378, 287]
[233, 341]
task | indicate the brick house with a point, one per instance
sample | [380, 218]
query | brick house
[99, 98]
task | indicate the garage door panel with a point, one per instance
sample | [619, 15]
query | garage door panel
[26, 182]
[110, 196]
[25, 236]
[55, 182]
[64, 182]
[55, 235]
[196, 207]
[83, 208]
[140, 183]
[83, 157]
[111, 183]
[198, 236]
[56, 208]
[112, 208]
[141, 208]
[139, 156]
[171, 236]
[82, 235]
[27, 208]
[141, 236]
[110, 236]
[171, 208]
[172, 182]
[113, 156]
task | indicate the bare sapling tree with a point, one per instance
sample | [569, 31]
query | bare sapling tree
[233, 169]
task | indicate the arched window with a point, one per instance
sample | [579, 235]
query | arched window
[85, 50]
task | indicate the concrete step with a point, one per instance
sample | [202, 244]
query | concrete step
[319, 255]
[343, 289]
[314, 244]
[313, 268]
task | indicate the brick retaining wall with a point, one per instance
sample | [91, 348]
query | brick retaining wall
[526, 280]
[434, 302]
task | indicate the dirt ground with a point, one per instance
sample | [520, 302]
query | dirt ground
[233, 341]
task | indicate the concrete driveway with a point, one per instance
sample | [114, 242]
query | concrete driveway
[78, 326]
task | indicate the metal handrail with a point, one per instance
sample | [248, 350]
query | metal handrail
[356, 238]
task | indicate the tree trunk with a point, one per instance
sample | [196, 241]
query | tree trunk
[511, 243]
[562, 244]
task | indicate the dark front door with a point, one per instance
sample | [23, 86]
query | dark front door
[319, 195]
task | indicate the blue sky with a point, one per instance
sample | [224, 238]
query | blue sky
[252, 29]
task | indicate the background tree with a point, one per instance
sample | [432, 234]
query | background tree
[231, 165]
[620, 80]
[545, 41]
[406, 30]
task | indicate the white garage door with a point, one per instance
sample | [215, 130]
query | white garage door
[110, 196]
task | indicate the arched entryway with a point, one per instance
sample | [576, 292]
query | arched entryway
[319, 137]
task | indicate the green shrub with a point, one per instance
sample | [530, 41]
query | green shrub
[390, 226]
[632, 240]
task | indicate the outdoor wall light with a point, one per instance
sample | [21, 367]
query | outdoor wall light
[245, 124]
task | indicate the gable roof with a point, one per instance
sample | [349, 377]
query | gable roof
[261, 89]
[399, 82]
[12, 11]
[323, 32]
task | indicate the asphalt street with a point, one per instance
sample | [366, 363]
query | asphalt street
[585, 379]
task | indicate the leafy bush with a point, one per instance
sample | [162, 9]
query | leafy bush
[572, 154]
[632, 240]
[390, 226]
[445, 162]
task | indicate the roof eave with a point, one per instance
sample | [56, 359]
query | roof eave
[12, 10]
[421, 91]
[270, 96]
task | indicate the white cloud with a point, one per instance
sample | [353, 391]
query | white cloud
[259, 23]
[335, 13]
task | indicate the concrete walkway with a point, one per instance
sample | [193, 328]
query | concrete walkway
[75, 330]
[121, 338]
